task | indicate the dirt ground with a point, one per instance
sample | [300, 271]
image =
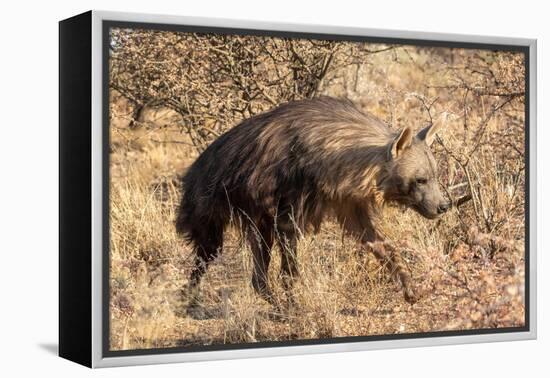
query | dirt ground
[469, 265]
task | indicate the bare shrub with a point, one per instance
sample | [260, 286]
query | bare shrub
[214, 80]
[172, 94]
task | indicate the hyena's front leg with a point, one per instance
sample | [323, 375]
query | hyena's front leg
[358, 222]
[386, 253]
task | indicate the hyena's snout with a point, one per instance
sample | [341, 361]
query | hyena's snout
[443, 207]
[430, 202]
[442, 203]
[438, 203]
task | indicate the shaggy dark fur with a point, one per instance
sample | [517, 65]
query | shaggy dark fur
[280, 173]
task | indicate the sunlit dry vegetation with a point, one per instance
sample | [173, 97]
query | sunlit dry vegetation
[173, 93]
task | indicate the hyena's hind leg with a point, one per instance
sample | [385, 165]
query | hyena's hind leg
[287, 239]
[260, 238]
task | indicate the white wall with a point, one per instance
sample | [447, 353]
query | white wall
[28, 211]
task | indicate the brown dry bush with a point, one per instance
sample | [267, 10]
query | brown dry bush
[173, 93]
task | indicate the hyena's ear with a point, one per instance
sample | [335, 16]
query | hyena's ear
[428, 133]
[401, 142]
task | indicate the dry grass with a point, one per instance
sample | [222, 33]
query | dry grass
[469, 265]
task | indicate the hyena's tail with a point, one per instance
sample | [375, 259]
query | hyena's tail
[184, 218]
[198, 225]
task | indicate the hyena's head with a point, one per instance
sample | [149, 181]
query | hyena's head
[411, 177]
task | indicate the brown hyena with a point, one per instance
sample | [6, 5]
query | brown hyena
[282, 172]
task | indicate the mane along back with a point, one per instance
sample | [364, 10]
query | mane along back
[304, 155]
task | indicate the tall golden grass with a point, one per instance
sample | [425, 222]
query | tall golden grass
[469, 265]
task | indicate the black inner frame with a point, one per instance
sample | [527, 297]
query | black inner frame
[108, 24]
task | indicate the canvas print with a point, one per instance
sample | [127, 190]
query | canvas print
[268, 189]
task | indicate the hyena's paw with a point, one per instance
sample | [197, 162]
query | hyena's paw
[190, 304]
[410, 295]
[197, 312]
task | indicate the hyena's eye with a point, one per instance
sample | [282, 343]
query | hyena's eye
[421, 180]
